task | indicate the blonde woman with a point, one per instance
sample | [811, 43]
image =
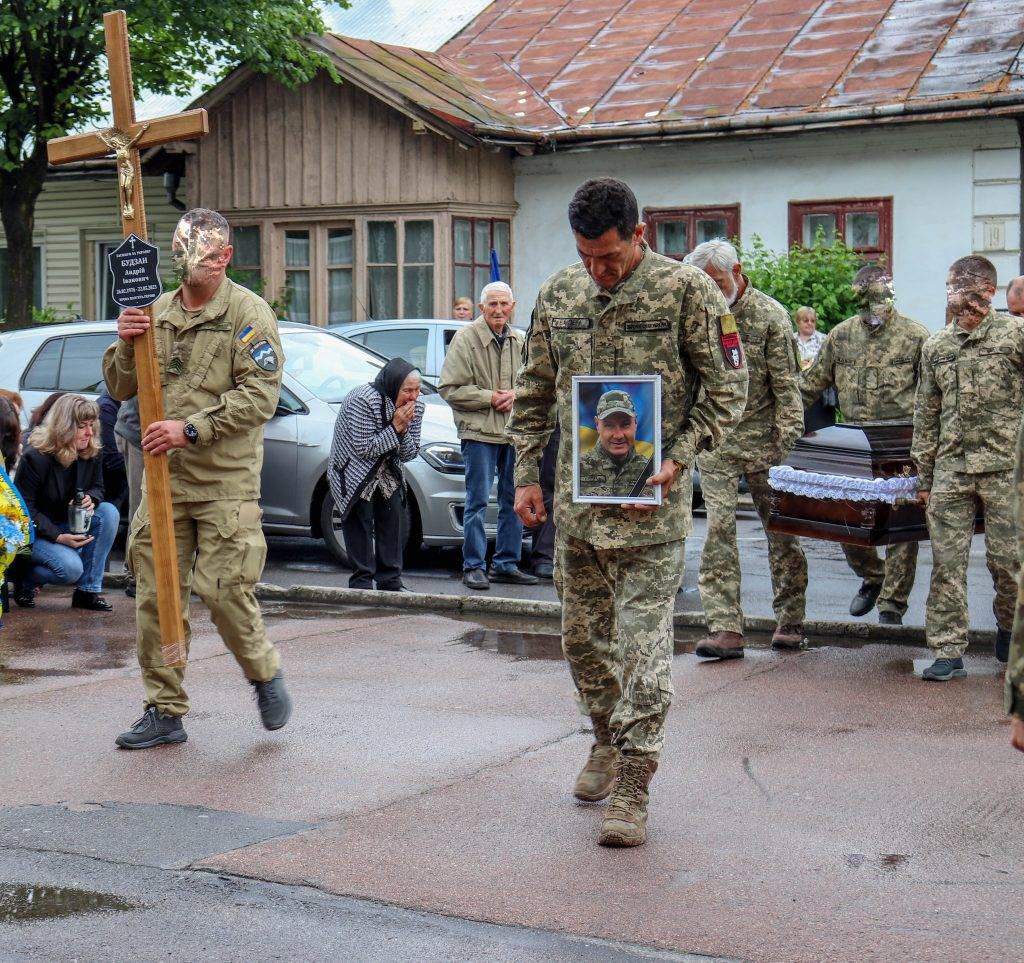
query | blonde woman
[63, 457]
[808, 338]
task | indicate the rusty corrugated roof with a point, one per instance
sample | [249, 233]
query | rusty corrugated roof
[424, 80]
[557, 66]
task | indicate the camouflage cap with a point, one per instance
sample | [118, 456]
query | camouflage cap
[615, 400]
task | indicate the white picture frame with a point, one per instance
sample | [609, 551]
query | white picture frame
[607, 451]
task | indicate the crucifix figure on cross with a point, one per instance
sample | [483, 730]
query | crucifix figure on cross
[125, 139]
[121, 144]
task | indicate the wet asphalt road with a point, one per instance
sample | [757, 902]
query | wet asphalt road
[826, 805]
[303, 561]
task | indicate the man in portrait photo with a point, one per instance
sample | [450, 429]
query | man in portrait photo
[614, 467]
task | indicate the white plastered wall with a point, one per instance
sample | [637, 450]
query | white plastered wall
[945, 181]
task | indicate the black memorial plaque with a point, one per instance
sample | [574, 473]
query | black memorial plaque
[134, 266]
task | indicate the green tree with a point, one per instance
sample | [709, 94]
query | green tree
[818, 277]
[53, 81]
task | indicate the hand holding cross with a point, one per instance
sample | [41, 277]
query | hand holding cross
[126, 139]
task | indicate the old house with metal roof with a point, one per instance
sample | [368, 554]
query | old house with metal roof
[891, 123]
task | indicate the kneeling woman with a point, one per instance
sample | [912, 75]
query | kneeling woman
[61, 459]
[377, 429]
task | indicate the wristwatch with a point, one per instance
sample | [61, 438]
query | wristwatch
[191, 432]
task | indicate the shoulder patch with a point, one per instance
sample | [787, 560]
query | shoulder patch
[732, 351]
[263, 353]
[246, 334]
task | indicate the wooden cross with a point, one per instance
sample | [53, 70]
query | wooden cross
[125, 140]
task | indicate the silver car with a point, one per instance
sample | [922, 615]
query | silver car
[320, 368]
[422, 342]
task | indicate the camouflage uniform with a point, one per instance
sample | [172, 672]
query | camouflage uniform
[965, 432]
[771, 423]
[220, 369]
[875, 372]
[618, 571]
[1014, 699]
[601, 474]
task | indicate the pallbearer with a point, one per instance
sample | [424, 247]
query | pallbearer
[873, 360]
[220, 362]
[772, 421]
[965, 429]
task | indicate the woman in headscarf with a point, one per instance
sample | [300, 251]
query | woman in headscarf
[378, 428]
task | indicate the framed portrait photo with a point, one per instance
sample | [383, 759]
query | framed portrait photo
[616, 438]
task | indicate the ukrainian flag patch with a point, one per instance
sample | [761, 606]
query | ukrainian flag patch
[246, 334]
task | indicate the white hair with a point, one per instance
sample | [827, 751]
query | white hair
[500, 286]
[719, 253]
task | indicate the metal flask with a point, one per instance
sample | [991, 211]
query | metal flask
[78, 515]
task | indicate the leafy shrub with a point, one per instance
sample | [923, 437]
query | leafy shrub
[818, 277]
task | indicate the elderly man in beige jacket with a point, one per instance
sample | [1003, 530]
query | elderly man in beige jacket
[476, 380]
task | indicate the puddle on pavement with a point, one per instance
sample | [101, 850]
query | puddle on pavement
[531, 645]
[290, 611]
[507, 638]
[27, 903]
[11, 676]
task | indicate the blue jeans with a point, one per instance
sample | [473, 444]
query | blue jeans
[482, 460]
[56, 564]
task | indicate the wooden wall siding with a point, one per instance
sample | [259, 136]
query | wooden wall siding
[71, 215]
[325, 145]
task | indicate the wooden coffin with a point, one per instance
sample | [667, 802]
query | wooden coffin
[867, 450]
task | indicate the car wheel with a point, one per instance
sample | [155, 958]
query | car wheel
[330, 525]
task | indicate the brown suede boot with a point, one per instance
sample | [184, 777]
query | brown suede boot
[598, 775]
[625, 819]
[790, 636]
[720, 645]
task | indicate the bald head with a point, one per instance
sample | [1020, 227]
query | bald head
[1015, 296]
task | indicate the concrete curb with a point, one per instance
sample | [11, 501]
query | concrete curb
[910, 635]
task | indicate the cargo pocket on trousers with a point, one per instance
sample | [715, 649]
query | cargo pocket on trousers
[652, 691]
[254, 552]
[140, 521]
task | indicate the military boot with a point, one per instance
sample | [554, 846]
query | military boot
[720, 645]
[625, 819]
[155, 728]
[598, 775]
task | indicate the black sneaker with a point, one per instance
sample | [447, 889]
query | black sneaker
[155, 728]
[475, 578]
[544, 571]
[129, 588]
[511, 576]
[942, 670]
[864, 601]
[890, 618]
[274, 702]
[1003, 645]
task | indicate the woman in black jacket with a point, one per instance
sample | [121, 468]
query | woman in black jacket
[63, 457]
[378, 428]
